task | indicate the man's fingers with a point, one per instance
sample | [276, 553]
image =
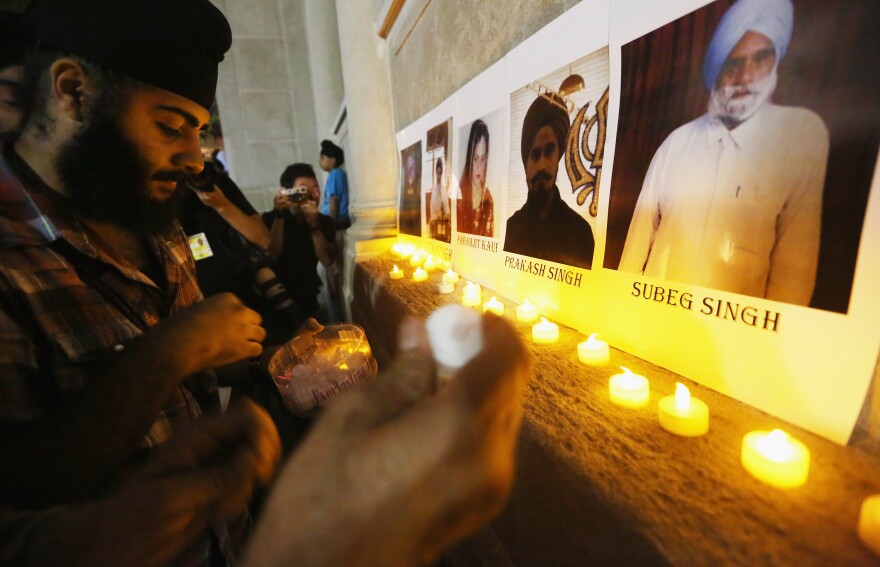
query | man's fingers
[245, 427]
[501, 368]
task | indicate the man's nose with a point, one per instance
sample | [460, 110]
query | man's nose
[190, 157]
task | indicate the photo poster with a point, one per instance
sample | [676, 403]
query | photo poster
[481, 129]
[559, 86]
[761, 283]
[409, 210]
[809, 362]
[435, 182]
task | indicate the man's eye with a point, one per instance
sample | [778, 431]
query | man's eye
[168, 129]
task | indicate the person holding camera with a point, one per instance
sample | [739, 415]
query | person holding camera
[300, 235]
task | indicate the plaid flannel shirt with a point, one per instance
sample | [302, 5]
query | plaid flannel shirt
[55, 330]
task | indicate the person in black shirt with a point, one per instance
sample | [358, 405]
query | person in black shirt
[300, 235]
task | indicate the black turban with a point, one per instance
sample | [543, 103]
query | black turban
[544, 113]
[15, 39]
[174, 45]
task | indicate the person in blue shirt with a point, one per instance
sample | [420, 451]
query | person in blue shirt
[335, 201]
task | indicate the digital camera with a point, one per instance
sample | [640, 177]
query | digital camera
[298, 194]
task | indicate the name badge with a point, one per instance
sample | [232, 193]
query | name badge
[198, 243]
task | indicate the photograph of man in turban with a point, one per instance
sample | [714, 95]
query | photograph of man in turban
[546, 227]
[735, 199]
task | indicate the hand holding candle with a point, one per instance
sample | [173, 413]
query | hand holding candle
[776, 458]
[545, 332]
[683, 415]
[628, 389]
[593, 351]
[396, 273]
[526, 313]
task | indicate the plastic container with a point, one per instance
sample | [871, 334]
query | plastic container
[315, 366]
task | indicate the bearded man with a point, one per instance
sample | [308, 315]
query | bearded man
[546, 227]
[106, 348]
[733, 200]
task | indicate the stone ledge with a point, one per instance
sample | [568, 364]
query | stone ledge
[600, 484]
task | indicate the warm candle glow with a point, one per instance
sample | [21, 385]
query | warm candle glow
[869, 523]
[545, 332]
[776, 458]
[494, 306]
[682, 398]
[430, 263]
[396, 273]
[628, 389]
[683, 415]
[420, 275]
[444, 287]
[417, 259]
[472, 295]
[450, 277]
[526, 313]
[593, 351]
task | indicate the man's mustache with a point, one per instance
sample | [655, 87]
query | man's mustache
[540, 176]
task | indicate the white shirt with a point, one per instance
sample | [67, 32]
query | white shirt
[738, 210]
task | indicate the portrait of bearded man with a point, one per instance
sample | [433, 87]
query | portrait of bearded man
[733, 200]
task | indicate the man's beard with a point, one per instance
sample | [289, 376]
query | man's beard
[734, 111]
[107, 178]
[541, 187]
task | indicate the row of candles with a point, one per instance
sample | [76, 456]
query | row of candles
[773, 457]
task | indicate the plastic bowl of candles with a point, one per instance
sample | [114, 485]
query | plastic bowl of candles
[315, 366]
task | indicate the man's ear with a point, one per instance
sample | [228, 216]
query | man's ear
[70, 87]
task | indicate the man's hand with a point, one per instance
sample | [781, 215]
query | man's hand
[203, 476]
[393, 474]
[215, 332]
[214, 199]
[280, 202]
[310, 210]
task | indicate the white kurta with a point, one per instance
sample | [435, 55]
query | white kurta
[736, 210]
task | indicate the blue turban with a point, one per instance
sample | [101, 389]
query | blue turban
[772, 18]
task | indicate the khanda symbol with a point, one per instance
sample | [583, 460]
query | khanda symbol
[578, 153]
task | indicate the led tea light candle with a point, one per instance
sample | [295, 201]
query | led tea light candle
[450, 277]
[456, 336]
[397, 249]
[545, 332]
[628, 389]
[526, 313]
[683, 415]
[869, 523]
[417, 258]
[494, 306]
[776, 458]
[430, 263]
[472, 295]
[593, 351]
[420, 275]
[396, 273]
[445, 288]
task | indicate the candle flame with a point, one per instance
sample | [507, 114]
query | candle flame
[776, 446]
[682, 397]
[628, 380]
[396, 269]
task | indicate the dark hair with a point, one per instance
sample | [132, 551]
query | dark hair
[294, 172]
[331, 150]
[479, 131]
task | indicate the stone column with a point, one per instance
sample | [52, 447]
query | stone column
[322, 35]
[372, 160]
